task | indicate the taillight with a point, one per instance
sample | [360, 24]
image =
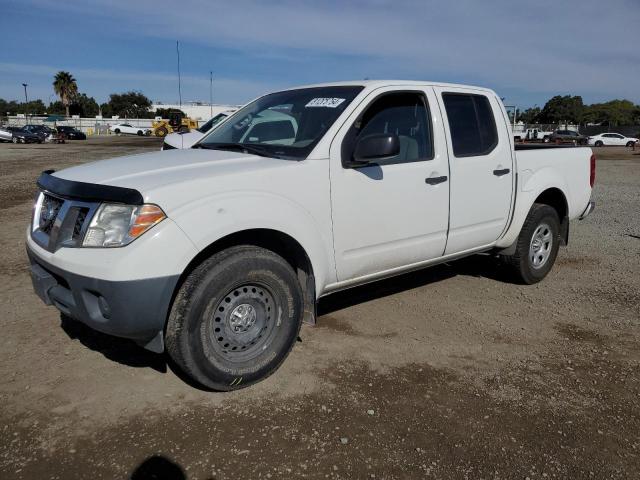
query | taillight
[592, 174]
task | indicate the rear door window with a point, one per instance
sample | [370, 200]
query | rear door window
[471, 123]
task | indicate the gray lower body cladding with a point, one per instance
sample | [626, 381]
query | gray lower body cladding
[135, 309]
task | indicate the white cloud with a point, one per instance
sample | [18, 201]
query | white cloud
[586, 47]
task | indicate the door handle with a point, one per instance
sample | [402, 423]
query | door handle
[501, 171]
[436, 180]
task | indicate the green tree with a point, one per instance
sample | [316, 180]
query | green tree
[105, 108]
[613, 113]
[530, 115]
[34, 107]
[56, 108]
[84, 106]
[10, 107]
[563, 109]
[130, 105]
[66, 88]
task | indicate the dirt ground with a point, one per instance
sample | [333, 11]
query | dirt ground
[451, 372]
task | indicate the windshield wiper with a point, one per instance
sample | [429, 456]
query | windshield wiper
[239, 147]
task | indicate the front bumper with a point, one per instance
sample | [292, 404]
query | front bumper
[134, 309]
[587, 211]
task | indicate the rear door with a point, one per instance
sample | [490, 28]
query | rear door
[481, 166]
[394, 212]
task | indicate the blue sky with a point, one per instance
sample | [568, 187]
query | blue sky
[527, 51]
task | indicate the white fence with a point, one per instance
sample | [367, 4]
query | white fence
[90, 126]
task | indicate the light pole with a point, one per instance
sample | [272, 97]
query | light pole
[211, 94]
[26, 102]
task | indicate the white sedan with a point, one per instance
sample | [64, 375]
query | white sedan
[611, 139]
[129, 129]
[5, 135]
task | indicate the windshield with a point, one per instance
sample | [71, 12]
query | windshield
[284, 124]
[215, 120]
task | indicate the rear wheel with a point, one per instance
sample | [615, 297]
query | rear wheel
[183, 129]
[161, 132]
[117, 131]
[140, 133]
[235, 318]
[598, 143]
[537, 245]
[14, 139]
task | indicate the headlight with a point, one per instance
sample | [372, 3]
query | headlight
[116, 225]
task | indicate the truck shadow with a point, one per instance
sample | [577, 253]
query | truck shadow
[127, 352]
[119, 350]
[481, 266]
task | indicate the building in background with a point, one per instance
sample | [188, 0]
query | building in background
[196, 110]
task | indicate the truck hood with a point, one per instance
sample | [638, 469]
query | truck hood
[149, 171]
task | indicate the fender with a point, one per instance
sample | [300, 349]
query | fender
[232, 212]
[530, 187]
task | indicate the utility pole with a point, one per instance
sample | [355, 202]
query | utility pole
[179, 82]
[211, 94]
[26, 102]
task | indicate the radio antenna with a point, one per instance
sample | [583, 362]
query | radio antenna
[179, 80]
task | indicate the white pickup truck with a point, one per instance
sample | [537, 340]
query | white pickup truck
[218, 253]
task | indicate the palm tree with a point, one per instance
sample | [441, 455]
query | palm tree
[66, 88]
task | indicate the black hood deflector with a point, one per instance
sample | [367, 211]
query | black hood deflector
[91, 192]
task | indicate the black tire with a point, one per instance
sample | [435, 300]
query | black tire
[211, 334]
[183, 129]
[630, 144]
[140, 133]
[117, 131]
[598, 143]
[541, 218]
[161, 132]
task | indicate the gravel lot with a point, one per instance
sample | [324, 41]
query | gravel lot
[451, 372]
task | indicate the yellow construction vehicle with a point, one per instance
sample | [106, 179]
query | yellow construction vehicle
[177, 123]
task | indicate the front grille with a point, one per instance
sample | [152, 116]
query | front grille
[77, 226]
[49, 212]
[61, 222]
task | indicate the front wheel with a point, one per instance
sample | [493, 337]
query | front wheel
[14, 140]
[537, 245]
[235, 318]
[630, 144]
[140, 133]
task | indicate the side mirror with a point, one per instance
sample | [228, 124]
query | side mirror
[378, 146]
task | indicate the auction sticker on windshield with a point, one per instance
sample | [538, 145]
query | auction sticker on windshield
[325, 102]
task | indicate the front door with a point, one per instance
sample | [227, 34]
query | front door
[481, 164]
[394, 212]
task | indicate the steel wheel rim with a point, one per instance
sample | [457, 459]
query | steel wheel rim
[540, 246]
[243, 322]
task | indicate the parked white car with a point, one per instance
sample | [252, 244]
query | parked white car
[126, 128]
[5, 135]
[218, 253]
[188, 139]
[611, 139]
